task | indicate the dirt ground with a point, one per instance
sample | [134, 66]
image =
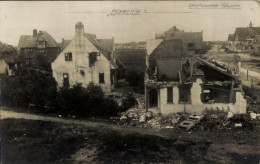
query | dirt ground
[33, 141]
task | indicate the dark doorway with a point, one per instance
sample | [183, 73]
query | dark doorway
[153, 98]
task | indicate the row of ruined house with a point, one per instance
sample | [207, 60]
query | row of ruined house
[172, 57]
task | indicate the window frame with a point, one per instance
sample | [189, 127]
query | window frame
[101, 78]
[169, 95]
[92, 57]
[68, 56]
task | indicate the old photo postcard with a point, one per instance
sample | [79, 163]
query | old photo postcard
[129, 82]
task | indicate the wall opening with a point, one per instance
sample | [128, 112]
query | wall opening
[153, 98]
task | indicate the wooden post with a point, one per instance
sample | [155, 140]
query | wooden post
[146, 91]
[231, 92]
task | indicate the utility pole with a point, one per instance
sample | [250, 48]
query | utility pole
[247, 73]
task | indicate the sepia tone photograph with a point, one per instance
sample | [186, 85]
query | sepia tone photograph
[129, 82]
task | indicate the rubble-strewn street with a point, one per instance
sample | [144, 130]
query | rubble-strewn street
[71, 141]
[210, 120]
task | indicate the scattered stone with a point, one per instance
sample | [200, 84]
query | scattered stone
[168, 127]
[175, 120]
[142, 118]
[123, 117]
[230, 115]
[238, 125]
[132, 115]
[253, 115]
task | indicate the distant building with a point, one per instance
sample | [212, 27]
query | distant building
[257, 44]
[191, 41]
[86, 59]
[38, 50]
[231, 45]
[243, 39]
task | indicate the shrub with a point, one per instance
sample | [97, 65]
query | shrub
[86, 102]
[41, 89]
[30, 87]
[136, 80]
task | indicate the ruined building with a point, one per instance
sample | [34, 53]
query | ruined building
[177, 80]
[86, 59]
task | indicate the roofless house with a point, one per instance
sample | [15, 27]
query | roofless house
[177, 80]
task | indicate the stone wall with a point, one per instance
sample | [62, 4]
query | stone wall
[196, 106]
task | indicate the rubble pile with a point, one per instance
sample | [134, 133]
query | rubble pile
[140, 100]
[214, 120]
[211, 120]
[140, 117]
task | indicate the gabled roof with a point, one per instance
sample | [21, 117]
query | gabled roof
[186, 37]
[243, 32]
[107, 44]
[168, 49]
[152, 44]
[167, 33]
[231, 37]
[103, 45]
[64, 43]
[29, 41]
[189, 37]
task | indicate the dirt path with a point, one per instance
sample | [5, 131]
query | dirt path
[5, 114]
[221, 146]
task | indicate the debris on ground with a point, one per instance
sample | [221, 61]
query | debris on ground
[218, 120]
[238, 125]
[253, 115]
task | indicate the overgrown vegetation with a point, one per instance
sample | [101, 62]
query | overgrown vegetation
[136, 80]
[39, 90]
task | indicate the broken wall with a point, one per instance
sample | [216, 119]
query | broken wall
[196, 105]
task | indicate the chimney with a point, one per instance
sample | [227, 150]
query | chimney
[79, 29]
[34, 33]
[79, 32]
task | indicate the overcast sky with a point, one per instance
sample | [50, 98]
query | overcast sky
[59, 18]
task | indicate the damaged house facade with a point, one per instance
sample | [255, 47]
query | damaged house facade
[244, 39]
[9, 60]
[177, 80]
[86, 59]
[38, 50]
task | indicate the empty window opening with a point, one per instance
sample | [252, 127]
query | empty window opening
[190, 45]
[66, 80]
[185, 94]
[169, 95]
[68, 56]
[101, 78]
[92, 58]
